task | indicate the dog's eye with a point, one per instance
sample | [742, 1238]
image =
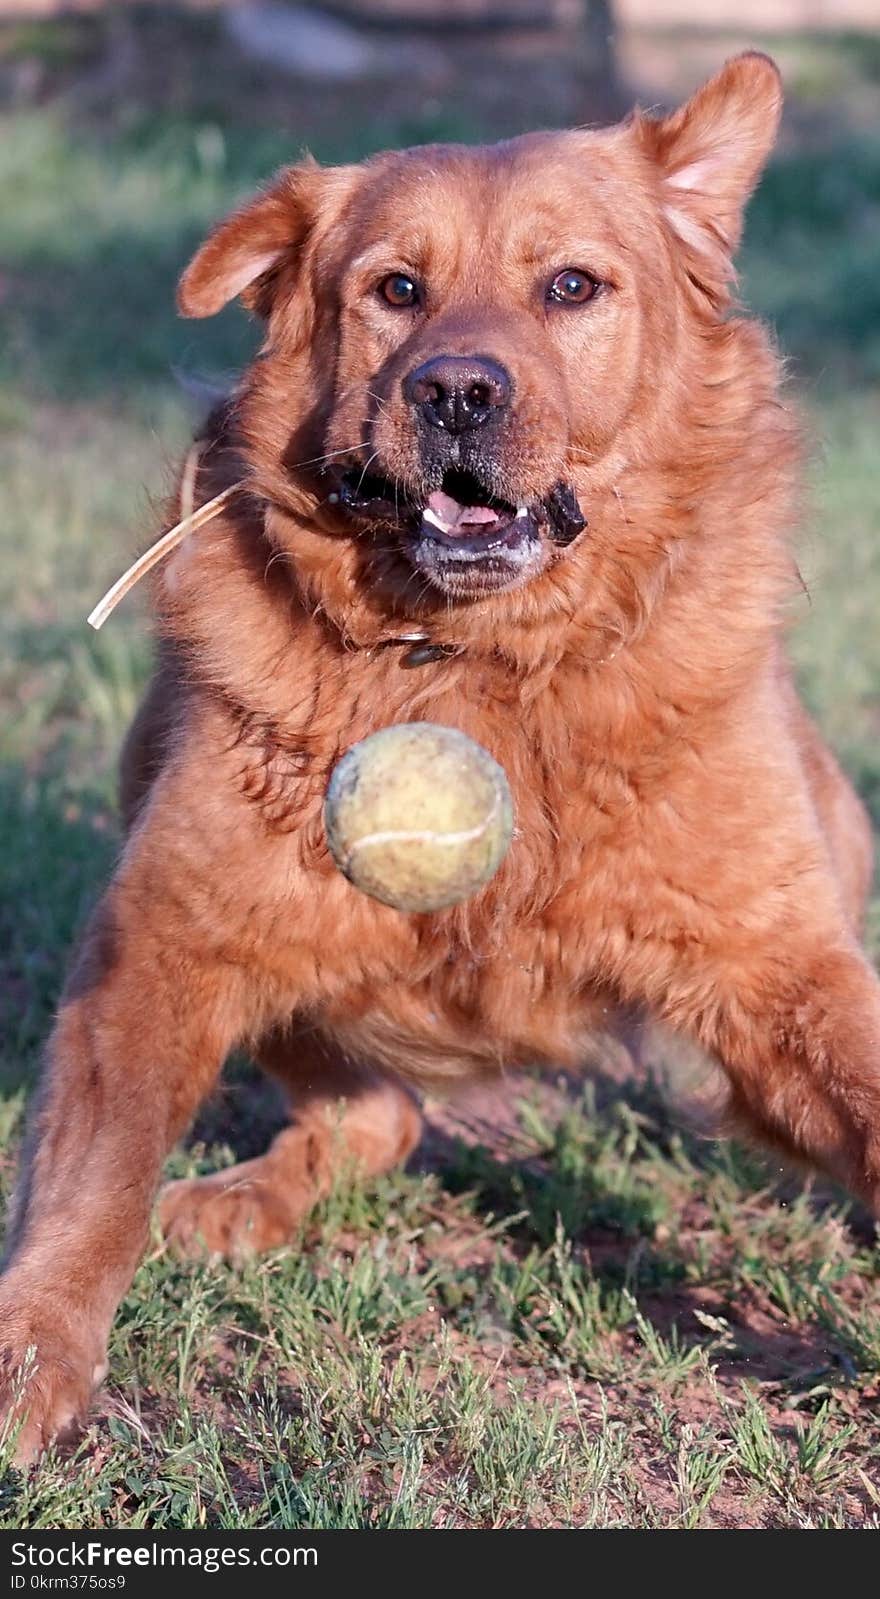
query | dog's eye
[399, 290]
[572, 287]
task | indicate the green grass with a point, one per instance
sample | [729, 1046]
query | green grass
[601, 1321]
[428, 1358]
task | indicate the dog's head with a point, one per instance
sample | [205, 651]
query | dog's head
[469, 345]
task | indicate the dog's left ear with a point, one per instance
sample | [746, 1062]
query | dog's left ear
[711, 152]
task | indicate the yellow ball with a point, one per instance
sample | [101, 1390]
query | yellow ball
[418, 816]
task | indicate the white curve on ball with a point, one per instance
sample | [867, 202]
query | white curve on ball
[424, 835]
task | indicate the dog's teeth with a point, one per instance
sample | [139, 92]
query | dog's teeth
[431, 516]
[523, 511]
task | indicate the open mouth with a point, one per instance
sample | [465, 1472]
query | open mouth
[461, 534]
[460, 505]
[465, 517]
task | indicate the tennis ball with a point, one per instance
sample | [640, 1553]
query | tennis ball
[418, 816]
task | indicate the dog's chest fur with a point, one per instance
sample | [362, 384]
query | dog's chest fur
[607, 762]
[501, 978]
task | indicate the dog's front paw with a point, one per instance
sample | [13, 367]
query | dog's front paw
[48, 1370]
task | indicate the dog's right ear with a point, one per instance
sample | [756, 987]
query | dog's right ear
[243, 254]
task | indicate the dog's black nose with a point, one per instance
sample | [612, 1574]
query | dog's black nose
[458, 392]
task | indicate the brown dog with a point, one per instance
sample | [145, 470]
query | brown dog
[502, 406]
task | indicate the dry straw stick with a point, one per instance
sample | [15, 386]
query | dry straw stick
[157, 552]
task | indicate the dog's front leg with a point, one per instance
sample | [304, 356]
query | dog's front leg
[797, 1030]
[803, 1059]
[144, 1028]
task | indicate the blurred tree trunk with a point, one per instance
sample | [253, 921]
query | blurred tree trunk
[604, 95]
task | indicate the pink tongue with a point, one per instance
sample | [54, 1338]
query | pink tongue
[457, 517]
